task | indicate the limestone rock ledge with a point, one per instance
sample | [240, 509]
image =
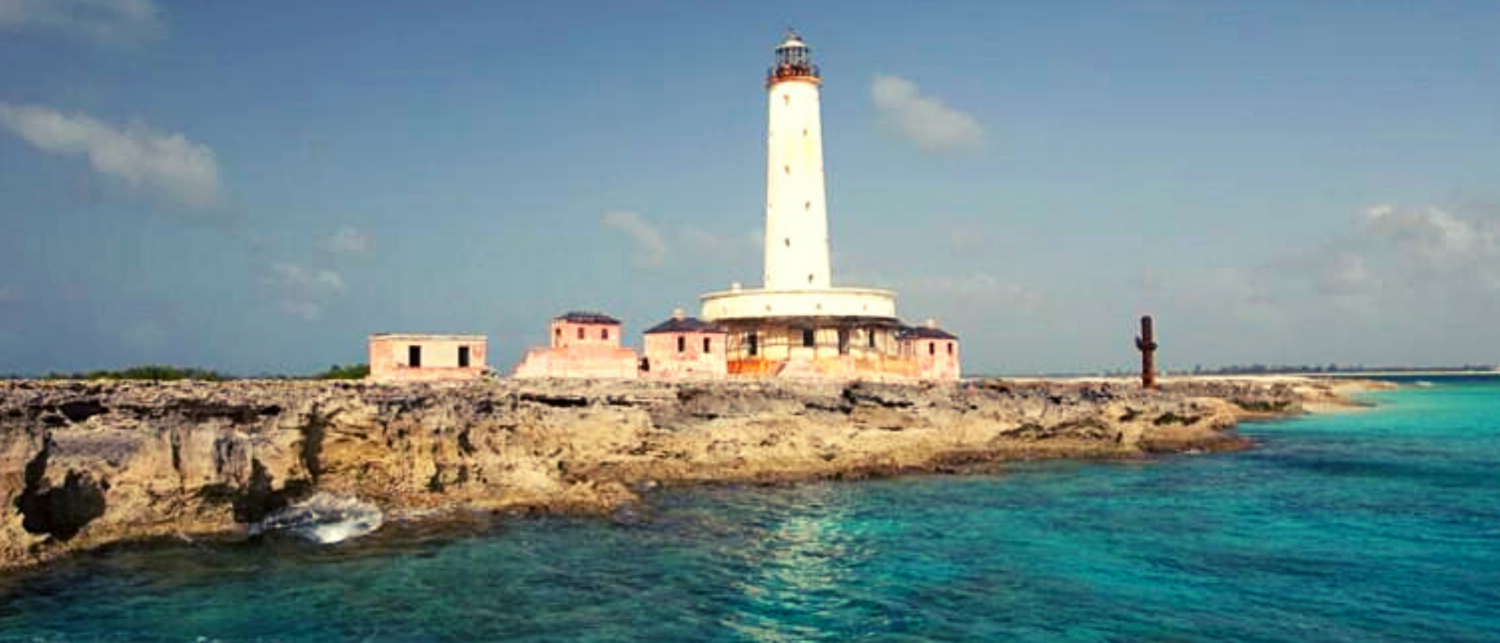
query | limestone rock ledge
[83, 464]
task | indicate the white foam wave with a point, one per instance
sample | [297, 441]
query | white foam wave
[324, 518]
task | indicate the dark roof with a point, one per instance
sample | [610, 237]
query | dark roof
[684, 325]
[586, 317]
[923, 332]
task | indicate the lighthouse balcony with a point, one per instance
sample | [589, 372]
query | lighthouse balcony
[805, 72]
[819, 302]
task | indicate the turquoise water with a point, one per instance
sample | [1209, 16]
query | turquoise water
[1381, 525]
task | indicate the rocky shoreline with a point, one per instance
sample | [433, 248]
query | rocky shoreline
[85, 464]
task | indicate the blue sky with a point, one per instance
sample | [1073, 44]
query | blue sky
[254, 187]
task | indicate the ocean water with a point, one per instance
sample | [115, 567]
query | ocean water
[1372, 526]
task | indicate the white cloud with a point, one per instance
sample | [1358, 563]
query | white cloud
[650, 245]
[349, 241]
[1347, 274]
[980, 287]
[110, 22]
[750, 243]
[173, 166]
[925, 121]
[309, 279]
[301, 291]
[1432, 236]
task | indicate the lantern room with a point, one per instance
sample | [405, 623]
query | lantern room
[793, 61]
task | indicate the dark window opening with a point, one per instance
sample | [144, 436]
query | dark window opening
[580, 332]
[787, 169]
[950, 348]
[787, 241]
[414, 356]
[809, 337]
[809, 277]
[463, 356]
[604, 333]
[557, 337]
[681, 344]
[707, 344]
[807, 205]
[871, 335]
[843, 341]
[754, 345]
[931, 348]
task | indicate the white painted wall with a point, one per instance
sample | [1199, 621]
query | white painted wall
[831, 302]
[796, 202]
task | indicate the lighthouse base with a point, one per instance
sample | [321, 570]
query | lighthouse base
[822, 334]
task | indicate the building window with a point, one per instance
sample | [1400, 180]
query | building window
[787, 241]
[843, 341]
[557, 337]
[787, 169]
[707, 345]
[807, 205]
[580, 332]
[809, 337]
[414, 356]
[931, 348]
[754, 345]
[604, 333]
[681, 344]
[463, 356]
[870, 334]
[950, 348]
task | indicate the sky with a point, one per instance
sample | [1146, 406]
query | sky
[255, 187]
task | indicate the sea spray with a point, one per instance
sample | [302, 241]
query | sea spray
[323, 518]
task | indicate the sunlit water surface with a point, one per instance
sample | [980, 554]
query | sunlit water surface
[1381, 525]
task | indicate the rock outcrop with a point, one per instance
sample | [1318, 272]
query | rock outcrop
[88, 463]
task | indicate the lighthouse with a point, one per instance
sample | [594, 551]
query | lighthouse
[799, 324]
[796, 202]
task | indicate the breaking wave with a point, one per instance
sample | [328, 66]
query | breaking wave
[323, 518]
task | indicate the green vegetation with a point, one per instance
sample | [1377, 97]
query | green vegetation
[152, 372]
[346, 372]
[166, 373]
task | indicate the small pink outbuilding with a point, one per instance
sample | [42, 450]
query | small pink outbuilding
[934, 350]
[583, 345]
[412, 357]
[685, 348]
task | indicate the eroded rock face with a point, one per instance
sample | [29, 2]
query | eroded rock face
[82, 464]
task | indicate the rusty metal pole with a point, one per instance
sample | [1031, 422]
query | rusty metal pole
[1146, 344]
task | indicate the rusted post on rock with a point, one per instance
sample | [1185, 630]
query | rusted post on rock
[1146, 344]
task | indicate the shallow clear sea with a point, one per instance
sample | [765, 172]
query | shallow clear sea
[1381, 525]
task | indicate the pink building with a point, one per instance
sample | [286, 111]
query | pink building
[934, 351]
[583, 345]
[685, 348]
[406, 357]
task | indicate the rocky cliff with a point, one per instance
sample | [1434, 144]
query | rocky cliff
[88, 463]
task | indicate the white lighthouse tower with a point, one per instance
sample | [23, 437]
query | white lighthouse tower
[799, 324]
[796, 202]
